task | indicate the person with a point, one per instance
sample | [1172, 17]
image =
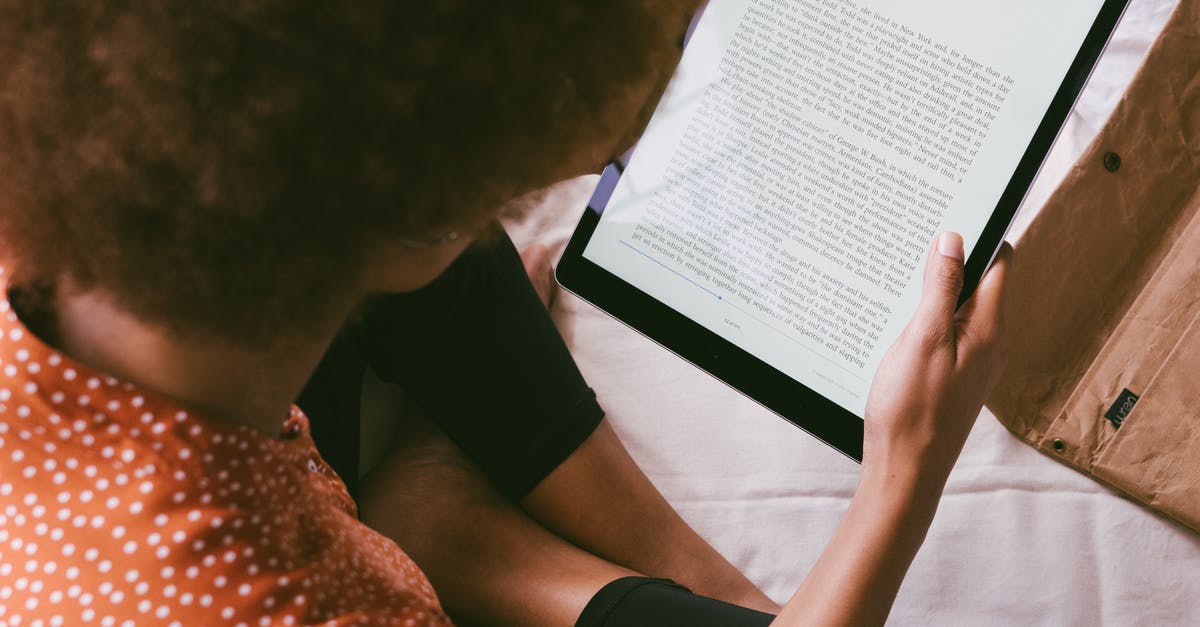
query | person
[197, 196]
[515, 428]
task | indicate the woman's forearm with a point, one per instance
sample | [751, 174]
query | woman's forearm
[924, 398]
[855, 580]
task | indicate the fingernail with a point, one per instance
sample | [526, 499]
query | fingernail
[951, 245]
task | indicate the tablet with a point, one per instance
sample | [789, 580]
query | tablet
[772, 223]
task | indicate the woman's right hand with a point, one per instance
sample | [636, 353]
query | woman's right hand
[934, 379]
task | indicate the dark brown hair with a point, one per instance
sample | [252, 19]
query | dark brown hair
[221, 166]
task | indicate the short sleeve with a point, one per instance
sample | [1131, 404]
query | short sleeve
[479, 352]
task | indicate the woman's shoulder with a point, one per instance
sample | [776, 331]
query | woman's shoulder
[118, 504]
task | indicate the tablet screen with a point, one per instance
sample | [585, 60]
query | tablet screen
[786, 191]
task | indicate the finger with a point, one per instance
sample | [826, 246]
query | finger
[943, 284]
[986, 320]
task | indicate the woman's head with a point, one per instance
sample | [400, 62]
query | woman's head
[224, 167]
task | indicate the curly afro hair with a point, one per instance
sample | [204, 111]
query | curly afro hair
[222, 167]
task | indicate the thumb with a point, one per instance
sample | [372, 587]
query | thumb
[943, 284]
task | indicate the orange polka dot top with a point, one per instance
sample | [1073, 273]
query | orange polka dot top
[119, 508]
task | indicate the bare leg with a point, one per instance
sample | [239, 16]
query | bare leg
[488, 561]
[600, 500]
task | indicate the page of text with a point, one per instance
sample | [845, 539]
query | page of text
[786, 192]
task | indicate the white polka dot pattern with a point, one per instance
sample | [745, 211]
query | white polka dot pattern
[117, 507]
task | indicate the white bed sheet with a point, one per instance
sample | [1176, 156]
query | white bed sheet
[1018, 539]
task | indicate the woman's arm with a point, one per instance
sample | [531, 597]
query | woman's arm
[924, 400]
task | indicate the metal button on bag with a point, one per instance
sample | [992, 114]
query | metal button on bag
[1112, 161]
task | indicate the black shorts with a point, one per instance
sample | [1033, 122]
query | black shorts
[477, 350]
[644, 602]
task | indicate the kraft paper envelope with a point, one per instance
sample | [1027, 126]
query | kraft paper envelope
[1104, 368]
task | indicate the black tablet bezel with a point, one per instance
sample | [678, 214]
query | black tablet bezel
[790, 399]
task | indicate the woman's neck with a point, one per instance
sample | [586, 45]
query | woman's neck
[254, 387]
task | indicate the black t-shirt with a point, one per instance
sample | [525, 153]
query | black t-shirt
[477, 350]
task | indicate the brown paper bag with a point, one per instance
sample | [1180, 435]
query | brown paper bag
[1104, 369]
